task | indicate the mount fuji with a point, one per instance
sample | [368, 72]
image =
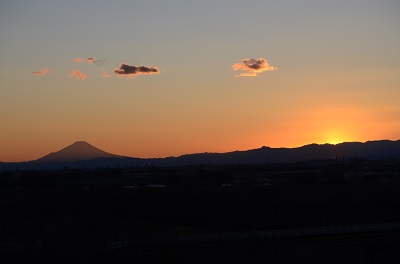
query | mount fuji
[80, 150]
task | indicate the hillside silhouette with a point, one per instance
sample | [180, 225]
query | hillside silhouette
[82, 154]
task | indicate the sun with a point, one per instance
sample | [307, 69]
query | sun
[334, 141]
[335, 137]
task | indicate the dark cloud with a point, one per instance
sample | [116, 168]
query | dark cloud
[252, 67]
[131, 71]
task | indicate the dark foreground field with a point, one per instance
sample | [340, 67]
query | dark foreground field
[90, 225]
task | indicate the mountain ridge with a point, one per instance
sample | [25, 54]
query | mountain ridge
[92, 157]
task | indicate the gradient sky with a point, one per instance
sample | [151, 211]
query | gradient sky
[338, 76]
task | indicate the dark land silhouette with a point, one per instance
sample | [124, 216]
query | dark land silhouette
[83, 155]
[314, 204]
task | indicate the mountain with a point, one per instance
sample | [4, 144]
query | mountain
[83, 155]
[80, 150]
[370, 150]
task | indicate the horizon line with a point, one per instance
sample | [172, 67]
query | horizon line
[205, 152]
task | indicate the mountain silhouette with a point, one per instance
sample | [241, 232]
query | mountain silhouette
[81, 154]
[370, 150]
[80, 150]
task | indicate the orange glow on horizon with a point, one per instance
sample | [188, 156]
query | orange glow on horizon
[336, 136]
[318, 123]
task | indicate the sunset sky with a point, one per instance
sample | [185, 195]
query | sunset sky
[217, 76]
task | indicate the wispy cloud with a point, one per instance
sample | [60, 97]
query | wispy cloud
[247, 74]
[252, 67]
[105, 74]
[131, 71]
[77, 74]
[90, 60]
[42, 71]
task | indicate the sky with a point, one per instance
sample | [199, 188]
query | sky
[216, 76]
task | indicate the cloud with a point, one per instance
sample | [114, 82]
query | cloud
[105, 74]
[131, 71]
[77, 74]
[247, 74]
[252, 67]
[90, 60]
[42, 71]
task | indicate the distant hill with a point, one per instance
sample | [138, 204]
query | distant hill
[80, 150]
[373, 150]
[83, 155]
